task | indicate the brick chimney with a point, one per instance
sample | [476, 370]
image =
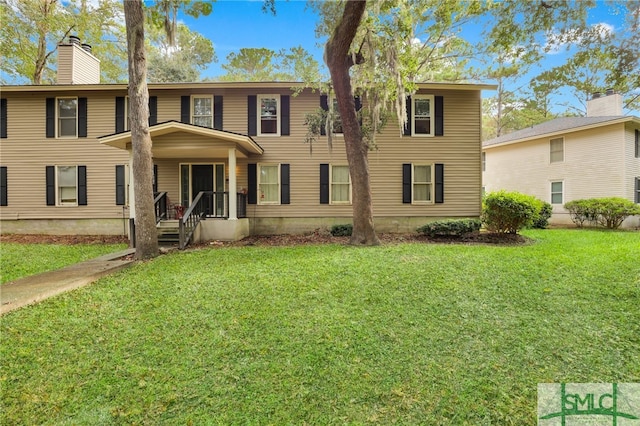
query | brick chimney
[76, 64]
[608, 104]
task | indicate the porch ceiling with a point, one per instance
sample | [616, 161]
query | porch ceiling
[173, 139]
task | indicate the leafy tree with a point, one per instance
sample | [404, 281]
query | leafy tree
[32, 29]
[261, 64]
[182, 62]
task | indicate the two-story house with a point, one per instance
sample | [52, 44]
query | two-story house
[235, 149]
[570, 158]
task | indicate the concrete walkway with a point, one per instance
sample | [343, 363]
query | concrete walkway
[29, 290]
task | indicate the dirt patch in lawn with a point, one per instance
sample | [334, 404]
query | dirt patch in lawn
[63, 239]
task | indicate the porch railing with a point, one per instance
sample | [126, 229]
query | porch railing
[161, 206]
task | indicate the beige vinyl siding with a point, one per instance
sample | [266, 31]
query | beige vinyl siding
[592, 166]
[76, 66]
[27, 151]
[458, 150]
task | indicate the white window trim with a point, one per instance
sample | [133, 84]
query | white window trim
[193, 97]
[259, 114]
[550, 142]
[58, 118]
[59, 202]
[432, 122]
[433, 172]
[260, 201]
[551, 192]
[331, 201]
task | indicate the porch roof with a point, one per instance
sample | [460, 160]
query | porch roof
[217, 139]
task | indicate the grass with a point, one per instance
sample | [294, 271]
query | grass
[409, 334]
[21, 260]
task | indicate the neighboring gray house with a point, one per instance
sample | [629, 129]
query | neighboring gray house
[570, 158]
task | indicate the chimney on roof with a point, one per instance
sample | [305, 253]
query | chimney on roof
[76, 64]
[608, 105]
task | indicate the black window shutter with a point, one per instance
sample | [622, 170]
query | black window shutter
[3, 118]
[324, 184]
[439, 183]
[120, 186]
[252, 115]
[51, 118]
[637, 143]
[3, 186]
[439, 111]
[252, 172]
[285, 120]
[185, 109]
[153, 110]
[408, 127]
[406, 183]
[82, 117]
[217, 112]
[155, 178]
[51, 185]
[284, 184]
[324, 104]
[358, 102]
[638, 190]
[120, 118]
[82, 185]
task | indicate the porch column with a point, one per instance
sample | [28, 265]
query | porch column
[233, 186]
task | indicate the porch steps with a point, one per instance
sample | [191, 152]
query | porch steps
[168, 233]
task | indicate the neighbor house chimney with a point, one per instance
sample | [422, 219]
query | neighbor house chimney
[76, 64]
[608, 105]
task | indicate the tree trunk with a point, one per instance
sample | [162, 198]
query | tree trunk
[145, 222]
[339, 60]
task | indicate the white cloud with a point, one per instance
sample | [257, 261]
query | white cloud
[556, 41]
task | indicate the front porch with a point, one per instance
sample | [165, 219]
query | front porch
[196, 189]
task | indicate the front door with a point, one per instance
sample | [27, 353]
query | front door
[204, 177]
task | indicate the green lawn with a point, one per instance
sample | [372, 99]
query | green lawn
[21, 260]
[411, 334]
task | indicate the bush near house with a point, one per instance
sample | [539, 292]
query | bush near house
[606, 212]
[542, 221]
[450, 228]
[508, 212]
[342, 230]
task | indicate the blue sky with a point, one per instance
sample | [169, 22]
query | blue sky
[234, 24]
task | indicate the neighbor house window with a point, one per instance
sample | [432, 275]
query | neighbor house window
[67, 185]
[67, 114]
[422, 183]
[556, 150]
[269, 119]
[484, 161]
[557, 192]
[202, 111]
[340, 185]
[422, 115]
[268, 184]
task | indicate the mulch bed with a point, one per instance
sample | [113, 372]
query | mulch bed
[317, 237]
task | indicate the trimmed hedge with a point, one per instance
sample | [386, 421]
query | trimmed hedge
[542, 220]
[508, 212]
[450, 228]
[606, 212]
[342, 230]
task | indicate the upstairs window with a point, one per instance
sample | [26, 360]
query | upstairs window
[67, 114]
[422, 115]
[556, 150]
[202, 111]
[269, 118]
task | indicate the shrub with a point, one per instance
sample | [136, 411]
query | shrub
[342, 230]
[607, 212]
[450, 227]
[508, 212]
[544, 213]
